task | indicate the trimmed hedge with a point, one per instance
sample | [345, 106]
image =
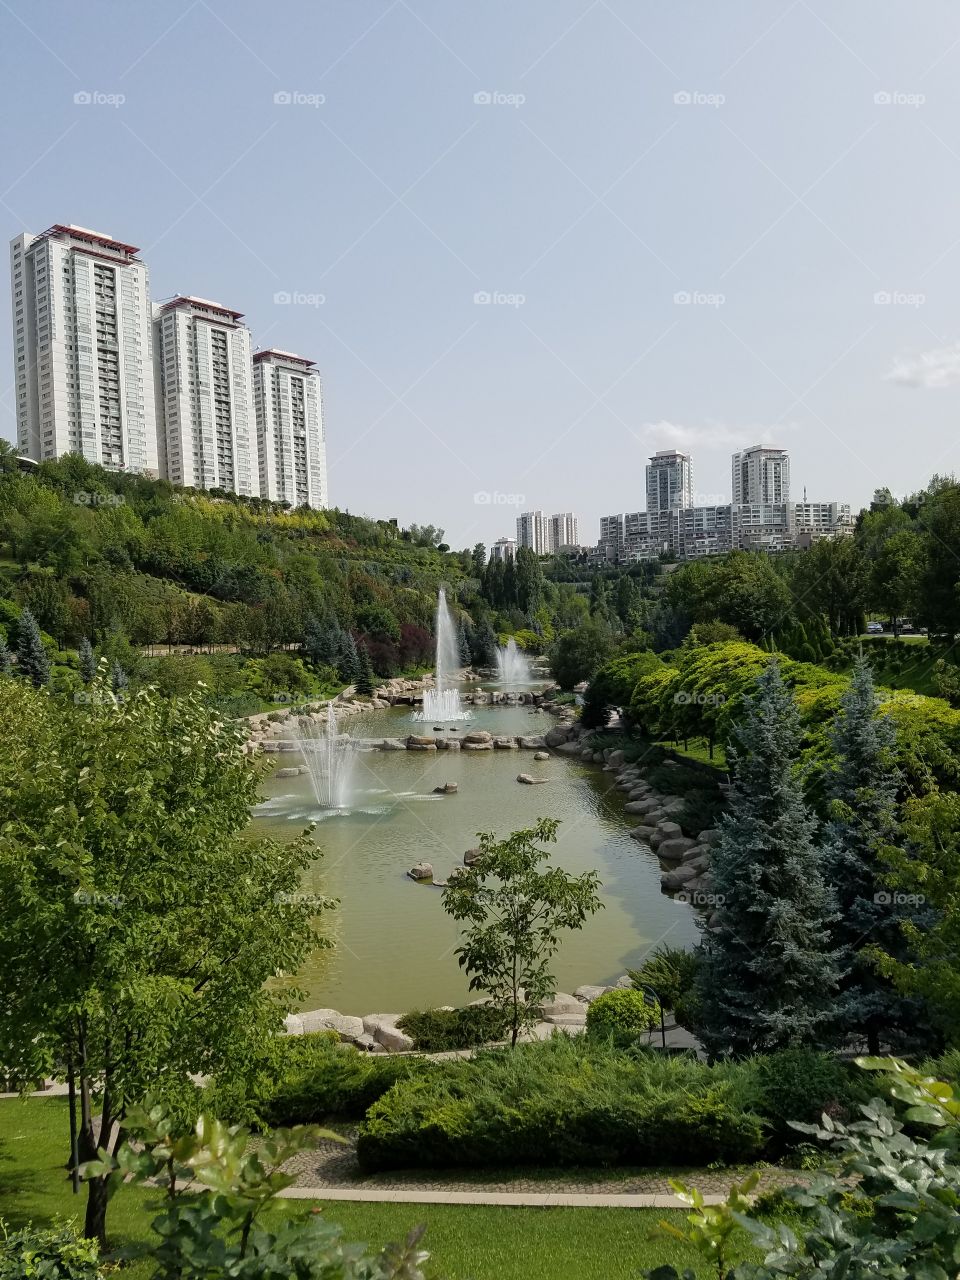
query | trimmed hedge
[440, 1030]
[622, 1014]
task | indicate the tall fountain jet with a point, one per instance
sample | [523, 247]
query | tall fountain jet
[442, 702]
[330, 762]
[512, 666]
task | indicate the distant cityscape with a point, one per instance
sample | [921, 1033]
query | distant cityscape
[173, 389]
[760, 516]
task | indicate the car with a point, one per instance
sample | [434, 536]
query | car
[874, 628]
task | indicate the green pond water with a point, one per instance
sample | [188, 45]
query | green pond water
[394, 945]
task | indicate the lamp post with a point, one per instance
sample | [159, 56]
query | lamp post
[650, 997]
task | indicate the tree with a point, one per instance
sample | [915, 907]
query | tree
[348, 659]
[365, 679]
[769, 973]
[463, 645]
[613, 685]
[478, 559]
[140, 925]
[484, 647]
[88, 661]
[6, 658]
[514, 914]
[861, 788]
[32, 660]
[118, 678]
[830, 580]
[575, 655]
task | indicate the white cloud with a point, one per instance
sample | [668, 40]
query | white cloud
[712, 435]
[930, 369]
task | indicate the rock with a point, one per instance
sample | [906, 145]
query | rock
[670, 830]
[288, 746]
[505, 744]
[588, 994]
[269, 746]
[567, 1019]
[293, 1024]
[347, 1028]
[393, 744]
[477, 737]
[446, 789]
[673, 850]
[421, 871]
[624, 982]
[535, 743]
[696, 852]
[557, 736]
[394, 1040]
[374, 1021]
[615, 758]
[676, 879]
[453, 744]
[286, 773]
[710, 836]
[643, 832]
[421, 746]
[636, 806]
[368, 1045]
[476, 746]
[541, 755]
[561, 1003]
[529, 781]
[568, 748]
[472, 856]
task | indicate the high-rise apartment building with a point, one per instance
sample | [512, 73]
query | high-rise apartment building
[533, 532]
[290, 434]
[83, 349]
[563, 530]
[760, 475]
[204, 382]
[669, 481]
[503, 549]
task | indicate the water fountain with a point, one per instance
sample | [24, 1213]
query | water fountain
[442, 702]
[330, 762]
[512, 666]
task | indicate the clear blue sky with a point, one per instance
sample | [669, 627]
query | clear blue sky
[784, 186]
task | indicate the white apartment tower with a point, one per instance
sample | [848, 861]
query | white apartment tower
[83, 349]
[290, 437]
[761, 475]
[204, 381]
[563, 530]
[533, 532]
[669, 481]
[504, 549]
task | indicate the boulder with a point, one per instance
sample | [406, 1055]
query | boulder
[288, 746]
[673, 850]
[393, 1039]
[446, 789]
[541, 755]
[421, 871]
[643, 833]
[505, 744]
[567, 1019]
[588, 994]
[393, 744]
[374, 1021]
[625, 982]
[477, 736]
[615, 758]
[293, 1024]
[561, 1003]
[476, 746]
[639, 806]
[421, 746]
[529, 781]
[270, 746]
[676, 879]
[670, 830]
[472, 856]
[558, 735]
[710, 836]
[286, 773]
[347, 1028]
[535, 743]
[568, 748]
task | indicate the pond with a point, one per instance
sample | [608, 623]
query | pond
[394, 944]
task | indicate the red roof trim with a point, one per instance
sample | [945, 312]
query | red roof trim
[92, 237]
[186, 300]
[284, 355]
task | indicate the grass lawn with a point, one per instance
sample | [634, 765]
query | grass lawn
[466, 1242]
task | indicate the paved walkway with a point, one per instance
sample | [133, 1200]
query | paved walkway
[517, 1199]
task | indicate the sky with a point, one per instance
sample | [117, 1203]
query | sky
[530, 243]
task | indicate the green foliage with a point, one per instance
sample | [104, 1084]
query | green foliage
[514, 914]
[670, 971]
[47, 1253]
[563, 1102]
[365, 679]
[622, 1015]
[216, 1187]
[714, 1231]
[576, 655]
[32, 659]
[800, 1084]
[439, 1030]
[613, 685]
[742, 589]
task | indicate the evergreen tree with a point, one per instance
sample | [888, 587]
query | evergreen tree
[6, 658]
[32, 659]
[348, 659]
[118, 678]
[479, 559]
[464, 644]
[862, 792]
[365, 680]
[484, 645]
[770, 972]
[88, 662]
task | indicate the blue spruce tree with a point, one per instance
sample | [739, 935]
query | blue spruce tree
[88, 662]
[770, 971]
[32, 660]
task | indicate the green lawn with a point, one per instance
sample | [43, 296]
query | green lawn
[465, 1242]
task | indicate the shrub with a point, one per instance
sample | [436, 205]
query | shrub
[800, 1085]
[670, 971]
[622, 1013]
[53, 1253]
[438, 1030]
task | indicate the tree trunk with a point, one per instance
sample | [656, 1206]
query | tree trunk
[95, 1221]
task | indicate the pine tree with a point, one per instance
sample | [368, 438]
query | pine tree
[32, 660]
[861, 789]
[365, 679]
[6, 658]
[348, 659]
[88, 662]
[118, 678]
[770, 971]
[464, 643]
[484, 645]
